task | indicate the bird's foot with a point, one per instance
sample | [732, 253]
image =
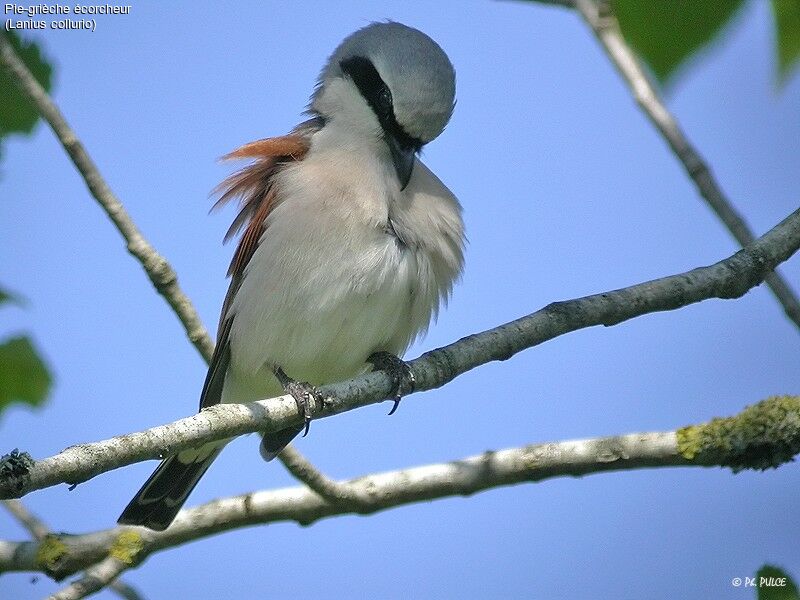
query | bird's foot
[302, 392]
[403, 381]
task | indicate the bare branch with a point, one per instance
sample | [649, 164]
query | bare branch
[93, 580]
[330, 490]
[40, 531]
[729, 278]
[157, 268]
[602, 21]
[27, 519]
[763, 435]
[125, 590]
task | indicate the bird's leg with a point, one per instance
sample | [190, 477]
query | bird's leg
[403, 381]
[301, 392]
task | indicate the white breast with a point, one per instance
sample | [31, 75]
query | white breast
[330, 282]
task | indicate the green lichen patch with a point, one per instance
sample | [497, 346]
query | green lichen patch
[764, 435]
[51, 550]
[126, 547]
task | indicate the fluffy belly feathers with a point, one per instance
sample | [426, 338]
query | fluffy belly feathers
[339, 277]
[321, 324]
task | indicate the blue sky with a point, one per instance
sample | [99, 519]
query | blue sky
[567, 191]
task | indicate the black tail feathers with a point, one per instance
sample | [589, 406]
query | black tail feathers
[165, 492]
[273, 443]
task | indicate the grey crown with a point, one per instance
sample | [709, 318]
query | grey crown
[419, 74]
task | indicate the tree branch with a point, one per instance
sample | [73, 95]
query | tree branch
[40, 531]
[763, 435]
[27, 519]
[729, 278]
[601, 19]
[161, 274]
[332, 491]
[96, 577]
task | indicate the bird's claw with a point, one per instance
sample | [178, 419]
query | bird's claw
[396, 404]
[403, 380]
[301, 392]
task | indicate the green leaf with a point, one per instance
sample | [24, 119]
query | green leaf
[23, 375]
[768, 582]
[16, 113]
[11, 298]
[666, 34]
[787, 35]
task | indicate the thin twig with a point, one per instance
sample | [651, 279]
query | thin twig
[333, 491]
[729, 278]
[125, 590]
[39, 531]
[96, 577]
[27, 519]
[605, 26]
[157, 268]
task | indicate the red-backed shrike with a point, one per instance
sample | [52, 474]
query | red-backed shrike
[350, 243]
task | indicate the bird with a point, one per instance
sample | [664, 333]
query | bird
[349, 245]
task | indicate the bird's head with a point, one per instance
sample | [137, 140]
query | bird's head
[392, 81]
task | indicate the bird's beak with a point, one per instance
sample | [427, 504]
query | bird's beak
[403, 159]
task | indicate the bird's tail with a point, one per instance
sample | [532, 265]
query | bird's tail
[164, 493]
[273, 443]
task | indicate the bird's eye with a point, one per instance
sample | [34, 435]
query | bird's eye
[385, 99]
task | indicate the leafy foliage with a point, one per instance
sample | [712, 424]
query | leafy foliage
[775, 591]
[787, 34]
[24, 377]
[7, 296]
[666, 34]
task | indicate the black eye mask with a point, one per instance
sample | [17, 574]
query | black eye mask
[379, 97]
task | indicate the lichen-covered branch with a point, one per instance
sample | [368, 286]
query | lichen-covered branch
[762, 436]
[40, 531]
[600, 17]
[729, 278]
